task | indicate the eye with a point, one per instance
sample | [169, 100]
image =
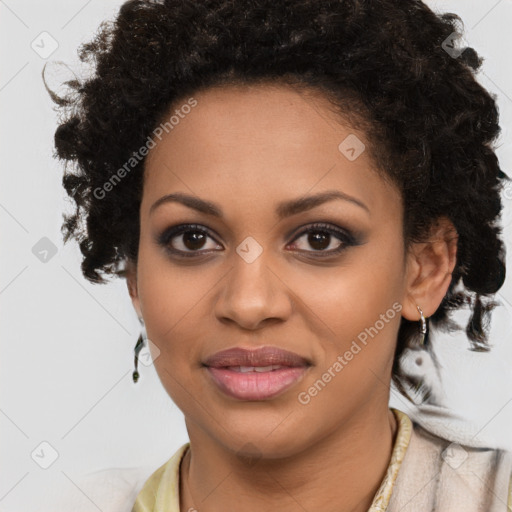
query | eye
[190, 240]
[322, 237]
[186, 238]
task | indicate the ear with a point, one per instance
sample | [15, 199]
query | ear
[131, 282]
[429, 270]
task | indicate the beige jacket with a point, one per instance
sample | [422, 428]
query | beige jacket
[426, 473]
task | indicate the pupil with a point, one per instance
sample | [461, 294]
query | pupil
[193, 239]
[318, 240]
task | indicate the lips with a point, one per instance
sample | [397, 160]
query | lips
[258, 374]
[261, 357]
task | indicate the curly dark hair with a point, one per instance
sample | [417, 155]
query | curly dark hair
[385, 64]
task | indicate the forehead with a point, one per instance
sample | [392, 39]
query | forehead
[259, 140]
[251, 116]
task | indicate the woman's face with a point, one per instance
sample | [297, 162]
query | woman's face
[258, 278]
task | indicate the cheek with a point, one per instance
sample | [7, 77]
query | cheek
[359, 303]
[168, 292]
[171, 303]
[354, 294]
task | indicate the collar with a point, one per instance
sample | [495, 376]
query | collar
[160, 492]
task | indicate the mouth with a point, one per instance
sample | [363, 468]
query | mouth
[258, 374]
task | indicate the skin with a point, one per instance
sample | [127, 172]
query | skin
[247, 149]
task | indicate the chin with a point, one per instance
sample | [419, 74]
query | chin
[251, 441]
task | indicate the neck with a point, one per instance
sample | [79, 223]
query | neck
[341, 472]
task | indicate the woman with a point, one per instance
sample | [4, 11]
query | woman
[295, 191]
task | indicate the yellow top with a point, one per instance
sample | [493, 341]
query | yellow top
[160, 492]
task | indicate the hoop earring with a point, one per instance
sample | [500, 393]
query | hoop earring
[423, 327]
[419, 370]
[137, 349]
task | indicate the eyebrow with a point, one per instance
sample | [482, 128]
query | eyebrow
[283, 210]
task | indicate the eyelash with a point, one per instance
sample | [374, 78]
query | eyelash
[345, 237]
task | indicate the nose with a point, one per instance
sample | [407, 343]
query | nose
[253, 294]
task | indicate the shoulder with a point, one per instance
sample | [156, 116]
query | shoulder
[162, 486]
[444, 472]
[509, 503]
[470, 472]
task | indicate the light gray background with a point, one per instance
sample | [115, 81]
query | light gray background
[67, 345]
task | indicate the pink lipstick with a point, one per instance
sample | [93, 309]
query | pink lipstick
[256, 374]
